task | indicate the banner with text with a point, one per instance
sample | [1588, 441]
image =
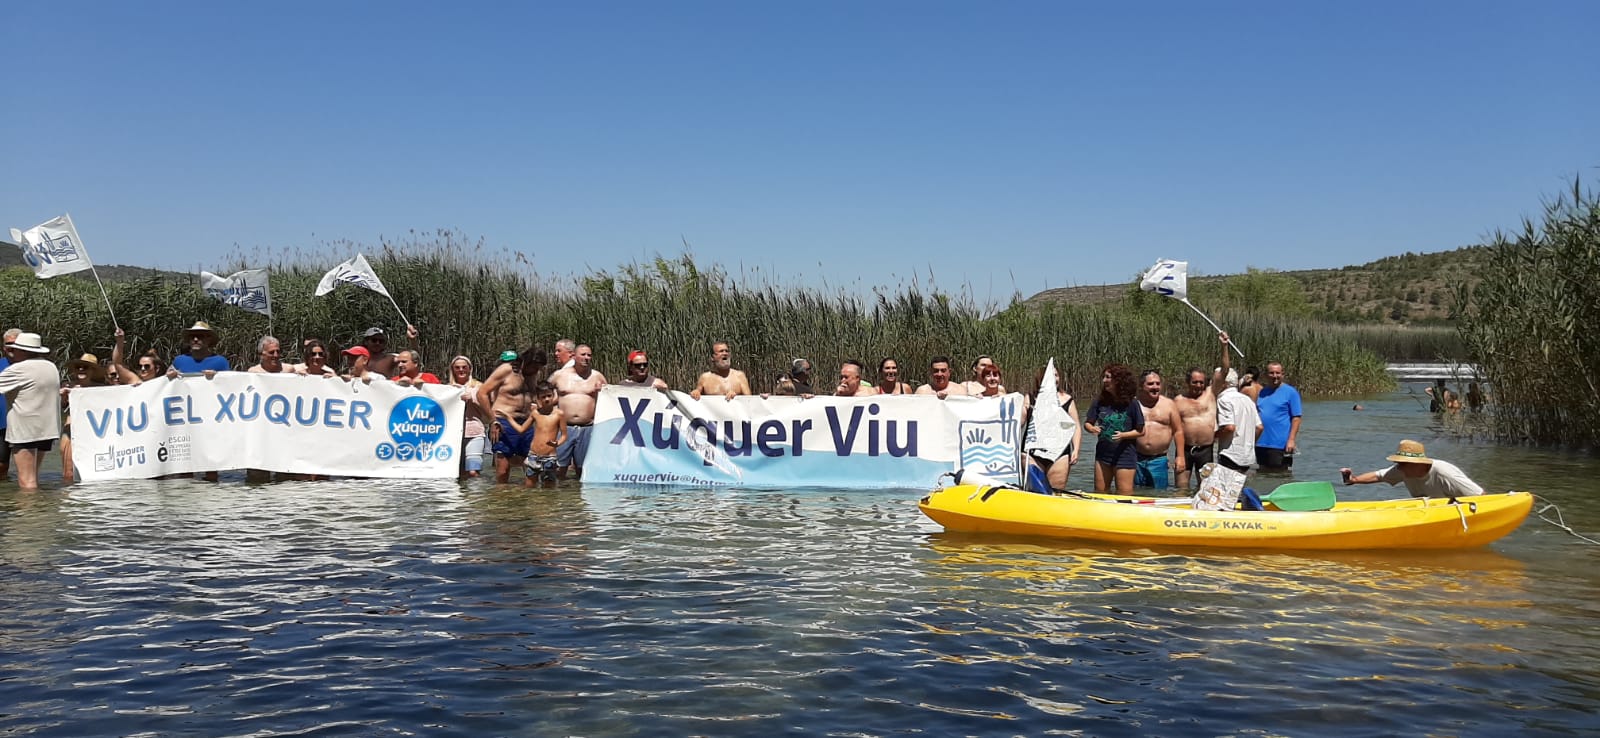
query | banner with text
[293, 424]
[651, 437]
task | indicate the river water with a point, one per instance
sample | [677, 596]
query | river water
[404, 608]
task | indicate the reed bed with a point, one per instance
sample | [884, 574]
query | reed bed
[466, 299]
[1530, 325]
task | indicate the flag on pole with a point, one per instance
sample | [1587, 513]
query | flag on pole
[1170, 278]
[355, 271]
[244, 289]
[53, 248]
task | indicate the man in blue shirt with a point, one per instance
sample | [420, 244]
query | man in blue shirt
[199, 340]
[1279, 405]
[5, 448]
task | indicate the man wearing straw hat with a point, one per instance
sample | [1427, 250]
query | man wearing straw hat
[32, 388]
[84, 371]
[1424, 477]
[198, 342]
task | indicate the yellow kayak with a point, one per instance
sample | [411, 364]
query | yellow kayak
[1389, 524]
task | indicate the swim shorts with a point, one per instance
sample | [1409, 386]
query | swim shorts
[511, 442]
[542, 468]
[1152, 472]
[576, 447]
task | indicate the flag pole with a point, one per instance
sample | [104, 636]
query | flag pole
[397, 309]
[94, 271]
[1213, 323]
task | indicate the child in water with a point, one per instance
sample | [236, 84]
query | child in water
[550, 431]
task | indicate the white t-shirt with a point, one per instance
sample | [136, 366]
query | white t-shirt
[33, 392]
[1236, 409]
[1444, 479]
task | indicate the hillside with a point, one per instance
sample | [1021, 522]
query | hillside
[1409, 288]
[11, 256]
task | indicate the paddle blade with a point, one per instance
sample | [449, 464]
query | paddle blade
[1302, 496]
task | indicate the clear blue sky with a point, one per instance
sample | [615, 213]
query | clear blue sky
[1009, 146]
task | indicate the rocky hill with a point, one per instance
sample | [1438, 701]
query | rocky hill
[1409, 288]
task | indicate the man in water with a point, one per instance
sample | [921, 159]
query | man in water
[198, 358]
[1197, 413]
[1238, 425]
[722, 379]
[1279, 405]
[565, 350]
[509, 395]
[639, 373]
[271, 357]
[32, 389]
[800, 377]
[5, 450]
[579, 389]
[1162, 427]
[408, 369]
[850, 381]
[1423, 477]
[380, 361]
[939, 384]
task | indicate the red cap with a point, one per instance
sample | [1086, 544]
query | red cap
[637, 357]
[358, 351]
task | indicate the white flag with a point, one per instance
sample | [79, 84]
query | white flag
[247, 289]
[53, 248]
[1051, 429]
[356, 271]
[1170, 278]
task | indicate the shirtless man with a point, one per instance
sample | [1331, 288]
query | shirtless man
[1162, 426]
[377, 344]
[271, 354]
[1197, 409]
[723, 379]
[639, 373]
[509, 394]
[565, 349]
[850, 381]
[939, 383]
[549, 426]
[579, 389]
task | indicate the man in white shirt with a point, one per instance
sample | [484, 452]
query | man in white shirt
[1238, 425]
[1423, 477]
[32, 388]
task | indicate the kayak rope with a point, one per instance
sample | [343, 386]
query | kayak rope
[1559, 522]
[1462, 511]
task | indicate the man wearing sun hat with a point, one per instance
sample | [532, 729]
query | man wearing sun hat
[32, 388]
[1423, 476]
[197, 357]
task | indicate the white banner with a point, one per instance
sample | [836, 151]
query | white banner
[293, 424]
[650, 437]
[354, 270]
[245, 289]
[1170, 278]
[53, 248]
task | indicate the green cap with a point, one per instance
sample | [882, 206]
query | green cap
[508, 355]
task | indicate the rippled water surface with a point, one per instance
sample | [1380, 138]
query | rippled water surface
[383, 608]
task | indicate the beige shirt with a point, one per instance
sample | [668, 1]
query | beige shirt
[33, 392]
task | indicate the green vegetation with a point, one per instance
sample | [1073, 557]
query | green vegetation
[1530, 325]
[467, 300]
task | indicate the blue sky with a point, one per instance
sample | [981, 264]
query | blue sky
[1005, 146]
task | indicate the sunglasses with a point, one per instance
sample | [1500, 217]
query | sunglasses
[318, 354]
[147, 367]
[644, 365]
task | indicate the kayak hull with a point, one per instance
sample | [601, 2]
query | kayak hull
[1411, 523]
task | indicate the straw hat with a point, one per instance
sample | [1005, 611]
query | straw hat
[1411, 452]
[97, 373]
[203, 328]
[29, 342]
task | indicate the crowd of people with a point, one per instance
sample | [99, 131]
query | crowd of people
[538, 414]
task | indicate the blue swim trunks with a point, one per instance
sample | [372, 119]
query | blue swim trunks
[1151, 472]
[576, 447]
[511, 442]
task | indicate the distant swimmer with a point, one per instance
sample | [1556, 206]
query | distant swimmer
[1423, 477]
[722, 379]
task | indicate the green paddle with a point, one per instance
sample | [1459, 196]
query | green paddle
[1302, 496]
